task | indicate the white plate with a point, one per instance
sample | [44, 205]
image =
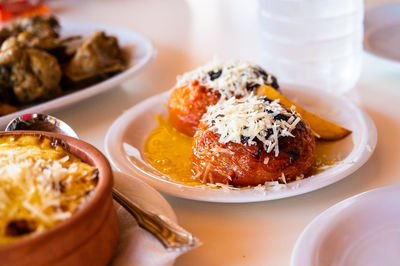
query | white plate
[382, 32]
[136, 246]
[363, 230]
[126, 137]
[138, 48]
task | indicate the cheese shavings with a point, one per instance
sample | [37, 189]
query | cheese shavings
[40, 185]
[234, 78]
[250, 120]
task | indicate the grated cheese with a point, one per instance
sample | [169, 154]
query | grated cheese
[40, 184]
[283, 178]
[234, 78]
[251, 119]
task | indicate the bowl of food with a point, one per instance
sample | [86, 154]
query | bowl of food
[55, 201]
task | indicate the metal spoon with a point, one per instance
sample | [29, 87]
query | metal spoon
[172, 236]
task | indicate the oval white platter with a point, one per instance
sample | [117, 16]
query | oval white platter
[138, 49]
[363, 230]
[126, 137]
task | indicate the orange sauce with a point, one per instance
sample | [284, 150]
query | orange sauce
[169, 151]
[323, 156]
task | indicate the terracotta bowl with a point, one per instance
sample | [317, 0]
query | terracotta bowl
[88, 237]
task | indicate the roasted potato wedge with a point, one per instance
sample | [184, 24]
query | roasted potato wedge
[322, 129]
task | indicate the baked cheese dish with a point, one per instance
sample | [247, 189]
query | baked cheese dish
[41, 184]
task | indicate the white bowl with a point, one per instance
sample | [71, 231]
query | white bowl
[363, 230]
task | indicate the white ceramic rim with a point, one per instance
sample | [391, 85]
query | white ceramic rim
[302, 253]
[359, 155]
[368, 30]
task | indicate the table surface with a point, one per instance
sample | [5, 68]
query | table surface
[262, 233]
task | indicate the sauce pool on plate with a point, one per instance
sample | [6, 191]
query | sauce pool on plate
[169, 151]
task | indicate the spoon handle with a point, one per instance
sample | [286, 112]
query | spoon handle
[172, 236]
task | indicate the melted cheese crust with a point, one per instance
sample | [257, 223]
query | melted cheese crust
[41, 184]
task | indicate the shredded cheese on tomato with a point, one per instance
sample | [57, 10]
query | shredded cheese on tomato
[250, 119]
[234, 78]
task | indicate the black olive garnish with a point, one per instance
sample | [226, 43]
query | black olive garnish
[260, 72]
[274, 84]
[267, 100]
[252, 86]
[281, 117]
[244, 139]
[215, 74]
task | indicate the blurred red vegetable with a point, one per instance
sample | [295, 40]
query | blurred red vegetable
[21, 8]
